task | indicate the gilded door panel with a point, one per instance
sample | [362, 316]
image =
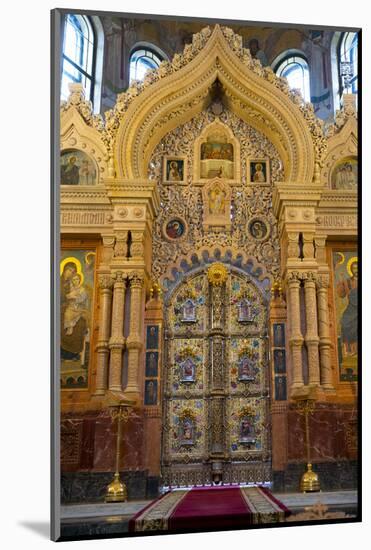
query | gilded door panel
[188, 311]
[187, 372]
[216, 383]
[186, 432]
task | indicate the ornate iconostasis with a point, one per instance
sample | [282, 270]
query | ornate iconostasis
[209, 275]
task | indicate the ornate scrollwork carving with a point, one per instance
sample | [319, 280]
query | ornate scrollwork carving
[186, 201]
[84, 107]
[342, 116]
[120, 248]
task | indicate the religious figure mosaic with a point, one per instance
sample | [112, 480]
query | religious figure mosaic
[216, 159]
[175, 228]
[279, 361]
[77, 169]
[345, 175]
[345, 265]
[258, 229]
[258, 171]
[150, 392]
[76, 295]
[151, 364]
[280, 388]
[174, 170]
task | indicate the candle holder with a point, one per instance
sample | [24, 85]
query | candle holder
[309, 482]
[120, 410]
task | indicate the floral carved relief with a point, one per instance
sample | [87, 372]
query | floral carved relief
[187, 201]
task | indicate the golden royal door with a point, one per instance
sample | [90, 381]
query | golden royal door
[216, 382]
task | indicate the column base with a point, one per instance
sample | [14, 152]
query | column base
[115, 388]
[299, 391]
[132, 394]
[99, 392]
[329, 388]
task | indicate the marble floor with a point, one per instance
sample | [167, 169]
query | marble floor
[89, 520]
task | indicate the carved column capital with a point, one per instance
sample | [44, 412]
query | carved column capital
[136, 279]
[119, 278]
[293, 278]
[309, 278]
[105, 282]
[323, 281]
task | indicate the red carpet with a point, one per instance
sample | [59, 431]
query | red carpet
[209, 508]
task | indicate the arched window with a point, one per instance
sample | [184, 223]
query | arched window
[143, 58]
[78, 55]
[295, 69]
[349, 62]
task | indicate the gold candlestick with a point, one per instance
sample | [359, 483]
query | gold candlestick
[120, 410]
[309, 482]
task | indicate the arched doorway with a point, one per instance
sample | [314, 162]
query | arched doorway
[216, 381]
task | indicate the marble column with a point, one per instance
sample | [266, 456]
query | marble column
[296, 337]
[311, 336]
[105, 302]
[134, 340]
[324, 332]
[117, 340]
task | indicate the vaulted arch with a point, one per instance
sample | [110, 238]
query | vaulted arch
[251, 92]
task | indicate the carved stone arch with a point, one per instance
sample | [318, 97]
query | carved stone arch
[213, 128]
[77, 135]
[254, 93]
[199, 260]
[342, 145]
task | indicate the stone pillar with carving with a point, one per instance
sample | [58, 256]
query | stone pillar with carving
[105, 289]
[117, 340]
[311, 336]
[296, 338]
[134, 340]
[324, 332]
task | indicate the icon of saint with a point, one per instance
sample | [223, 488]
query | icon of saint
[259, 176]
